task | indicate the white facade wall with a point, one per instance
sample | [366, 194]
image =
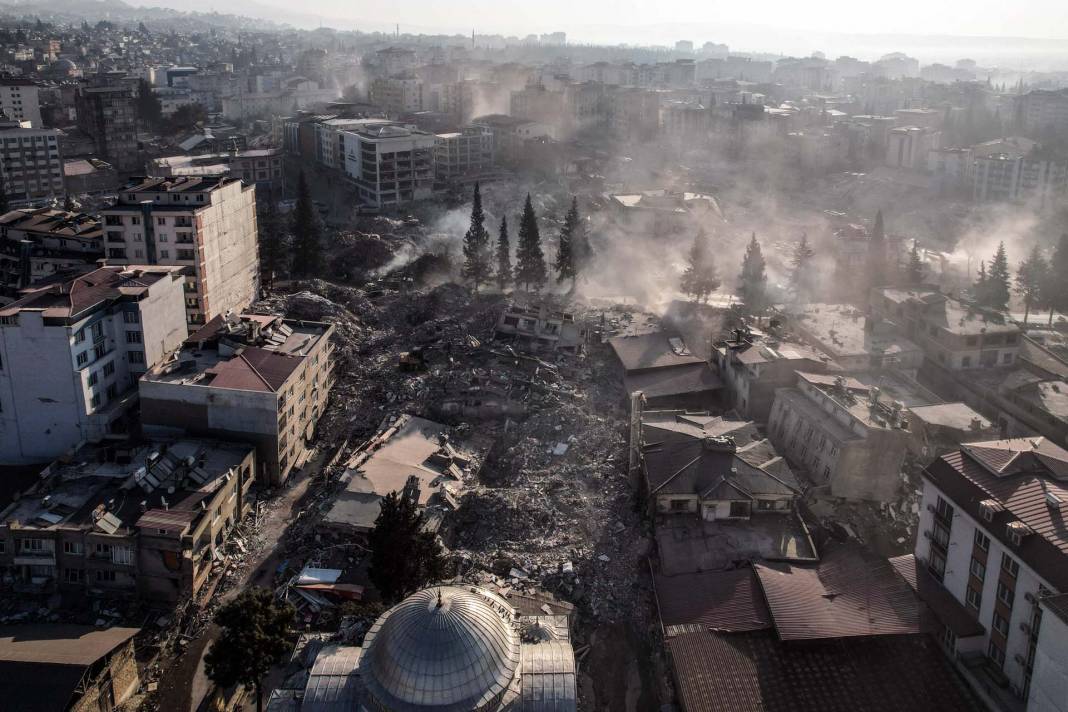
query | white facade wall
[1049, 687]
[21, 103]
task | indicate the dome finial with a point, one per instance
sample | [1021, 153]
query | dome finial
[439, 598]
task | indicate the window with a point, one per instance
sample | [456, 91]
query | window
[122, 555]
[164, 254]
[95, 400]
[136, 356]
[139, 253]
[100, 350]
[32, 545]
[98, 331]
[113, 391]
[966, 362]
[135, 220]
[982, 541]
[93, 379]
[978, 569]
[74, 548]
[79, 336]
[109, 369]
[996, 654]
[937, 565]
[679, 505]
[74, 575]
[185, 254]
[1000, 624]
[1005, 594]
[974, 598]
[82, 358]
[161, 221]
[943, 510]
[1009, 565]
[105, 576]
[131, 317]
[940, 535]
[134, 337]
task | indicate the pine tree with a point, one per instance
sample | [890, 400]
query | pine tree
[981, 286]
[581, 249]
[914, 273]
[1031, 277]
[700, 279]
[273, 241]
[530, 270]
[478, 268]
[404, 556]
[1055, 293]
[877, 253]
[801, 269]
[565, 252]
[753, 282]
[504, 256]
[307, 233]
[998, 279]
[149, 108]
[255, 638]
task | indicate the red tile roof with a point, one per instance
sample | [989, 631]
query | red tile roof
[73, 297]
[754, 672]
[850, 592]
[254, 369]
[728, 601]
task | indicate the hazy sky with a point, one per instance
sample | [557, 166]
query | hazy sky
[592, 19]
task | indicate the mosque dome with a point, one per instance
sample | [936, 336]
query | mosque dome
[442, 649]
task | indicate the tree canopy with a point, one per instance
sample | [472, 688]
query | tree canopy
[504, 256]
[801, 277]
[530, 271]
[307, 233]
[700, 277]
[753, 282]
[404, 556]
[1031, 279]
[478, 266]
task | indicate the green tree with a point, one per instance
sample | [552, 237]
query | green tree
[981, 285]
[1031, 277]
[914, 273]
[998, 279]
[565, 253]
[307, 233]
[801, 269]
[273, 238]
[404, 556]
[530, 271]
[753, 283]
[877, 253]
[581, 249]
[1055, 293]
[149, 109]
[700, 277]
[504, 256]
[254, 639]
[478, 267]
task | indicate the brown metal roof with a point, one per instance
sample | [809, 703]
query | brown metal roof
[60, 644]
[754, 672]
[255, 369]
[645, 351]
[942, 603]
[850, 592]
[729, 601]
[72, 297]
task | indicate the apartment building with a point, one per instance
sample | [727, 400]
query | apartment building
[1017, 170]
[389, 164]
[261, 167]
[36, 244]
[108, 114]
[206, 224]
[19, 101]
[510, 135]
[31, 169]
[1042, 109]
[992, 536]
[854, 341]
[257, 379]
[849, 436]
[71, 352]
[398, 94]
[952, 334]
[463, 156]
[540, 328]
[297, 92]
[146, 521]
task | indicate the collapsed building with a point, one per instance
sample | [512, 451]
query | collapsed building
[258, 379]
[665, 372]
[148, 522]
[39, 243]
[541, 328]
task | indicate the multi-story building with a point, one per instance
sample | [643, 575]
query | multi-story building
[398, 94]
[993, 536]
[262, 167]
[72, 351]
[389, 164]
[511, 134]
[848, 435]
[19, 101]
[31, 169]
[854, 341]
[540, 328]
[148, 521]
[256, 379]
[908, 146]
[1042, 109]
[463, 156]
[952, 335]
[108, 114]
[633, 112]
[205, 224]
[35, 244]
[298, 93]
[1017, 170]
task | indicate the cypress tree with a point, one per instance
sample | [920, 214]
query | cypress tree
[998, 280]
[504, 256]
[700, 277]
[801, 269]
[478, 267]
[1031, 277]
[981, 286]
[565, 253]
[307, 233]
[530, 270]
[754, 279]
[404, 556]
[914, 273]
[1055, 293]
[877, 253]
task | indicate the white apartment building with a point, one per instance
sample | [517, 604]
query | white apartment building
[994, 534]
[71, 353]
[206, 224]
[1003, 172]
[19, 101]
[463, 156]
[1042, 109]
[908, 146]
[397, 95]
[390, 164]
[31, 169]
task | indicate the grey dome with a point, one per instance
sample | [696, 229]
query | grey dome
[446, 649]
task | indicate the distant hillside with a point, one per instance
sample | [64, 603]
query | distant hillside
[119, 12]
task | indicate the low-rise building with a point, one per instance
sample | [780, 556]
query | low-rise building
[663, 212]
[540, 328]
[36, 244]
[206, 224]
[76, 668]
[854, 341]
[464, 156]
[847, 435]
[992, 535]
[263, 380]
[942, 427]
[72, 352]
[148, 521]
[667, 374]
